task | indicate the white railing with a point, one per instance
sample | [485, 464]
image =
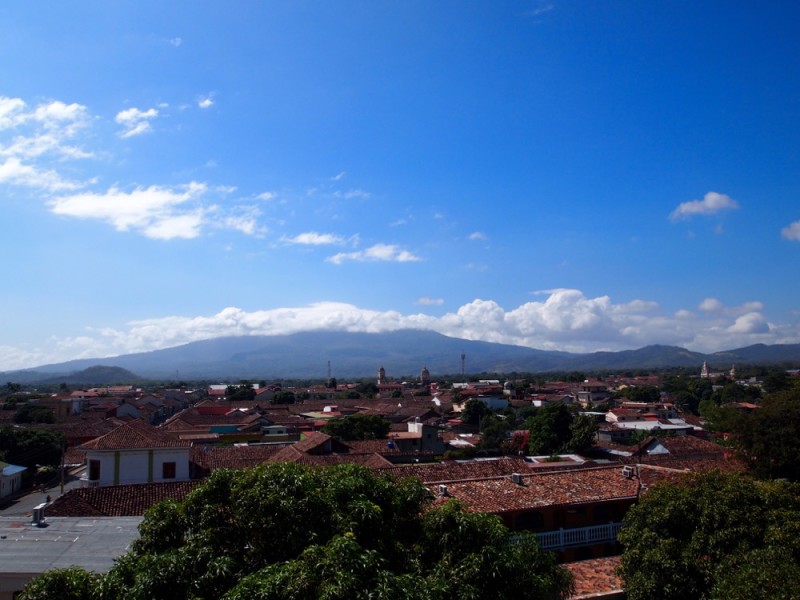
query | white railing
[580, 536]
[90, 483]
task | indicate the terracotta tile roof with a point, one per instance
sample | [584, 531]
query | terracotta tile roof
[236, 457]
[191, 418]
[596, 578]
[686, 453]
[365, 446]
[118, 500]
[74, 456]
[134, 435]
[293, 455]
[556, 488]
[451, 470]
[685, 445]
[85, 425]
[312, 442]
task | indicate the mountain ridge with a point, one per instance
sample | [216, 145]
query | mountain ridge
[403, 353]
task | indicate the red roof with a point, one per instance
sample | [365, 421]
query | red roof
[118, 500]
[134, 435]
[582, 486]
[596, 578]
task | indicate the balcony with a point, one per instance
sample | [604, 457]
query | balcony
[580, 536]
[89, 483]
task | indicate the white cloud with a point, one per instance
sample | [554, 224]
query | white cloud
[564, 320]
[376, 253]
[40, 143]
[244, 220]
[544, 7]
[710, 305]
[750, 323]
[312, 238]
[10, 111]
[205, 102]
[266, 196]
[477, 236]
[14, 171]
[792, 231]
[350, 194]
[156, 212]
[176, 41]
[426, 301]
[134, 121]
[711, 204]
[338, 176]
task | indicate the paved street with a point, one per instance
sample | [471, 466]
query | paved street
[23, 505]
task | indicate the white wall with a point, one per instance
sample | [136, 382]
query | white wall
[133, 465]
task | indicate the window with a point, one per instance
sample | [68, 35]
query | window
[94, 470]
[530, 521]
[168, 470]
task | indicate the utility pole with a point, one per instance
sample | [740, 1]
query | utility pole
[63, 452]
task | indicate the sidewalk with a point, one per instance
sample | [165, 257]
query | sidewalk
[23, 504]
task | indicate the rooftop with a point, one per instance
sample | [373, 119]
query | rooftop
[118, 500]
[134, 435]
[596, 578]
[556, 488]
[91, 543]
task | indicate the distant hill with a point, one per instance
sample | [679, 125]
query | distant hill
[402, 353]
[97, 375]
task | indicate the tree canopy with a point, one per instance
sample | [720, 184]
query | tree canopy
[768, 438]
[557, 428]
[474, 410]
[358, 427]
[289, 532]
[713, 536]
[31, 447]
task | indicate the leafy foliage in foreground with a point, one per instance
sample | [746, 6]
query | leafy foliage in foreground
[287, 532]
[713, 536]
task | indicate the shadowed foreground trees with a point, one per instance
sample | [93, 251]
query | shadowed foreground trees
[713, 536]
[289, 532]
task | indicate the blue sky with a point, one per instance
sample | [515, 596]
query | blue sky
[573, 175]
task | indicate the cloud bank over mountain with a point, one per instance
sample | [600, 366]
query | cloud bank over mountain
[564, 319]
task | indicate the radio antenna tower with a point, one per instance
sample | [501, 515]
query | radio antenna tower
[329, 370]
[463, 358]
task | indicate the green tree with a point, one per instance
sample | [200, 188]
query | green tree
[73, 583]
[474, 557]
[494, 430]
[583, 433]
[285, 531]
[776, 381]
[683, 541]
[647, 393]
[358, 427]
[244, 391]
[550, 429]
[34, 413]
[31, 447]
[284, 397]
[768, 438]
[474, 410]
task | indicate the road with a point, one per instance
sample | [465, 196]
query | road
[23, 505]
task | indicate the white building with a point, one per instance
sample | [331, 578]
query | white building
[135, 453]
[10, 479]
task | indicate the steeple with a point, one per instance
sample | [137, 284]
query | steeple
[704, 370]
